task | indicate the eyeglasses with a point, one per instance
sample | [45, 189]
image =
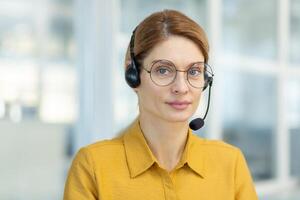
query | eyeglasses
[164, 72]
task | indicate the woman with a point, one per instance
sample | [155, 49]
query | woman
[158, 156]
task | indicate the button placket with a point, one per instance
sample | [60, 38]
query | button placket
[168, 183]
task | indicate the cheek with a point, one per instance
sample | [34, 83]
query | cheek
[154, 96]
[197, 97]
[149, 94]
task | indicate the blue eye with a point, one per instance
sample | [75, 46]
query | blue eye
[194, 72]
[163, 70]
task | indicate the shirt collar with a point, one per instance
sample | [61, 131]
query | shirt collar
[140, 158]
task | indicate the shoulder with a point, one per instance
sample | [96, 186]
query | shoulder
[220, 158]
[102, 151]
[218, 150]
[105, 144]
[107, 147]
[215, 145]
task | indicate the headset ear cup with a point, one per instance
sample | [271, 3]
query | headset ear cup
[208, 80]
[132, 76]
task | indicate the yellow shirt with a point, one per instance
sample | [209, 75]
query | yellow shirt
[124, 168]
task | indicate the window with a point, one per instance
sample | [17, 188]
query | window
[249, 118]
[295, 31]
[37, 75]
[250, 28]
[293, 99]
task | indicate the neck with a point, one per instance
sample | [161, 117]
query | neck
[165, 139]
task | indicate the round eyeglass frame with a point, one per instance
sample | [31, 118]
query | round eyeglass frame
[207, 73]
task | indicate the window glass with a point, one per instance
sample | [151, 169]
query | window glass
[31, 43]
[293, 99]
[295, 31]
[137, 10]
[249, 112]
[38, 96]
[248, 29]
[61, 44]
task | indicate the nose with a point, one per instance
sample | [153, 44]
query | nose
[180, 84]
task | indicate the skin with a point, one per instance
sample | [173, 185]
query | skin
[164, 127]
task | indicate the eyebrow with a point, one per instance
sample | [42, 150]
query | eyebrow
[168, 61]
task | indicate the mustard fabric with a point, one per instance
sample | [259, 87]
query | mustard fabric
[124, 168]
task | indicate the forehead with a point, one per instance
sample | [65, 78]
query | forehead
[180, 50]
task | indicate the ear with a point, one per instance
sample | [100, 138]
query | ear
[135, 90]
[126, 64]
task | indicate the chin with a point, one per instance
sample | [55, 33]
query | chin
[179, 117]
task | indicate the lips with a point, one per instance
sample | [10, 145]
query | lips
[179, 105]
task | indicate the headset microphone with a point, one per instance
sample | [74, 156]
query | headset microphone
[132, 76]
[198, 123]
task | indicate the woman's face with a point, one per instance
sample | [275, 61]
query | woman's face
[178, 101]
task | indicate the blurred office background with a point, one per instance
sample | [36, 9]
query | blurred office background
[62, 86]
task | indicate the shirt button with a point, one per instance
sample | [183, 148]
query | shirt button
[168, 182]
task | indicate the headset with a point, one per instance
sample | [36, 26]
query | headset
[132, 77]
[132, 73]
